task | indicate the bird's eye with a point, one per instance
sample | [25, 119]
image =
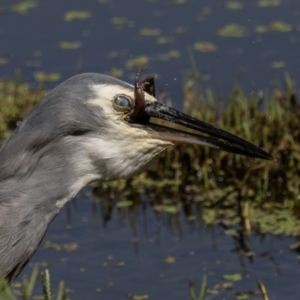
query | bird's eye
[122, 103]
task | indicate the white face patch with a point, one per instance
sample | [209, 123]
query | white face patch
[106, 94]
[119, 157]
[121, 150]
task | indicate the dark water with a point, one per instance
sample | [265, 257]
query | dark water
[43, 28]
[143, 239]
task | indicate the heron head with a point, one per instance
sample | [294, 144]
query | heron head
[107, 129]
[133, 138]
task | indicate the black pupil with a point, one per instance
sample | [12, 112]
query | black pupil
[122, 101]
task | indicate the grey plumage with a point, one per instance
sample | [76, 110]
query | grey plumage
[36, 158]
[78, 133]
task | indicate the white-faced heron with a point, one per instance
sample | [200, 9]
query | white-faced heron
[90, 127]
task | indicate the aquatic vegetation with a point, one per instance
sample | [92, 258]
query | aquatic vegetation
[46, 76]
[17, 100]
[73, 15]
[205, 47]
[70, 45]
[25, 289]
[24, 7]
[232, 31]
[274, 26]
[122, 22]
[150, 31]
[268, 3]
[137, 62]
[278, 64]
[4, 59]
[234, 5]
[169, 55]
[163, 40]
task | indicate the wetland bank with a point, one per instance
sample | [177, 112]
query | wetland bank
[200, 224]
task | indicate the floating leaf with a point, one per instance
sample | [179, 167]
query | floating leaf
[77, 15]
[174, 54]
[70, 45]
[233, 277]
[150, 31]
[37, 53]
[268, 3]
[124, 203]
[232, 232]
[232, 30]
[115, 72]
[179, 1]
[234, 5]
[274, 26]
[180, 29]
[223, 286]
[4, 60]
[139, 297]
[137, 62]
[171, 209]
[120, 22]
[278, 65]
[59, 247]
[162, 40]
[46, 76]
[23, 7]
[191, 218]
[205, 47]
[120, 264]
[113, 54]
[170, 260]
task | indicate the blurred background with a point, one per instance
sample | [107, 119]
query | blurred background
[116, 242]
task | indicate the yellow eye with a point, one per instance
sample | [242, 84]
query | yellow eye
[122, 103]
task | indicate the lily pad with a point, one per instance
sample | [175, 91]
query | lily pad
[73, 15]
[232, 31]
[170, 260]
[124, 203]
[113, 54]
[150, 31]
[234, 5]
[274, 26]
[179, 1]
[162, 40]
[233, 277]
[174, 54]
[137, 62]
[120, 264]
[121, 22]
[139, 297]
[180, 29]
[268, 3]
[46, 76]
[205, 47]
[70, 45]
[278, 64]
[116, 72]
[4, 60]
[37, 53]
[171, 209]
[59, 247]
[23, 7]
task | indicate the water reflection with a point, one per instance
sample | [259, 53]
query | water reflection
[129, 246]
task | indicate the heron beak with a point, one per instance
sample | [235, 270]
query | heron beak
[144, 111]
[218, 138]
